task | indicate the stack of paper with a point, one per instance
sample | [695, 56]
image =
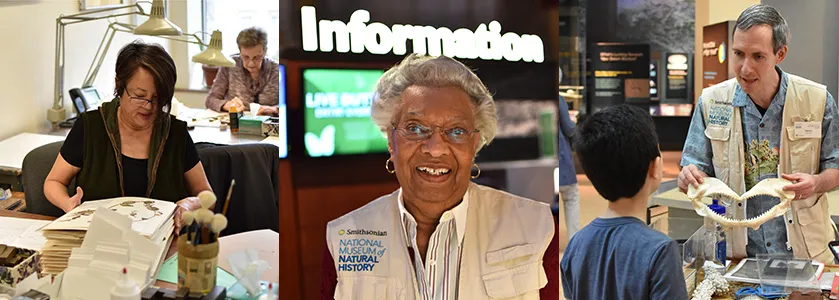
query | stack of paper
[151, 219]
[22, 233]
[110, 246]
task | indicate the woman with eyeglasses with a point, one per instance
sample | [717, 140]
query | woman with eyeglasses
[439, 236]
[131, 146]
[254, 79]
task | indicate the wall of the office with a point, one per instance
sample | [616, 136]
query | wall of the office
[813, 47]
[711, 12]
[189, 88]
[27, 60]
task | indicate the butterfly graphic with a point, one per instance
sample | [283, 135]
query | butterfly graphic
[323, 145]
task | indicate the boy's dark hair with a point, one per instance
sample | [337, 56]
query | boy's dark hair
[615, 147]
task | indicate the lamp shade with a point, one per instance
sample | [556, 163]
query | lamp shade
[157, 24]
[212, 55]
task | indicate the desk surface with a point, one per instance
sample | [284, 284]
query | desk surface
[199, 134]
[14, 149]
[173, 249]
[265, 242]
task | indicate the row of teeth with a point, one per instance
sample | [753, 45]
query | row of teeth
[433, 171]
[765, 216]
[741, 199]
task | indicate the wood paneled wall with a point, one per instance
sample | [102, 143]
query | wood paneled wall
[314, 191]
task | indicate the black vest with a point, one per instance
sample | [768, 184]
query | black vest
[101, 174]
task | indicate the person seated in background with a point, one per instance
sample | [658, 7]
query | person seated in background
[439, 233]
[617, 256]
[131, 146]
[254, 79]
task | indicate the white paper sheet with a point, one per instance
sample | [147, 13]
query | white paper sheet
[22, 233]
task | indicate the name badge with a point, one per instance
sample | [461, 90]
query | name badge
[804, 130]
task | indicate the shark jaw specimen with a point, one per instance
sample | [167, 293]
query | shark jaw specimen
[712, 187]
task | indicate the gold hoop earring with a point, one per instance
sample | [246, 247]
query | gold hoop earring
[387, 166]
[479, 171]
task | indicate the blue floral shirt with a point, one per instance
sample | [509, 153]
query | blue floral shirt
[762, 136]
[567, 172]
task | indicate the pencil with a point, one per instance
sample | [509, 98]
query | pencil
[229, 193]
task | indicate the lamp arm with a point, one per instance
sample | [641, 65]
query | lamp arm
[82, 15]
[59, 65]
[100, 55]
[99, 58]
[60, 23]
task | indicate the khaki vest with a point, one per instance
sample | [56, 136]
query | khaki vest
[505, 240]
[809, 227]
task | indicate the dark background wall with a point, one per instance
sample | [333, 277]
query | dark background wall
[315, 191]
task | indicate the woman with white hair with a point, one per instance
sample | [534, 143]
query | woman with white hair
[439, 236]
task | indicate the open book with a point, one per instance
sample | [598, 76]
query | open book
[150, 218]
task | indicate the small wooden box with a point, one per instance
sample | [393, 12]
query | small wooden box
[11, 276]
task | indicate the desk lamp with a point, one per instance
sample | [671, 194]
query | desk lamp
[156, 25]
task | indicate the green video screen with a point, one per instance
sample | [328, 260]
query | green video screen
[337, 112]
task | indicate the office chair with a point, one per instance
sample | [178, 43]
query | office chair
[254, 204]
[36, 166]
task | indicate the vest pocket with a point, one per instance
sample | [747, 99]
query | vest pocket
[802, 152]
[369, 287]
[812, 218]
[719, 137]
[519, 282]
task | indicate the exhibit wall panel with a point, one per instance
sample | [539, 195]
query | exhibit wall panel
[813, 46]
[710, 12]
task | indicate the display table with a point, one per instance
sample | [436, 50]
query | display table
[683, 219]
[733, 287]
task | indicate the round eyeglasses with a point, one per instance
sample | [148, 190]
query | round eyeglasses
[416, 132]
[140, 100]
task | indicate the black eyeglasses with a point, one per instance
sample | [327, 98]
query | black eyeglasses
[416, 132]
[140, 100]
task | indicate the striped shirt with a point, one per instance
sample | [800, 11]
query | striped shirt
[437, 276]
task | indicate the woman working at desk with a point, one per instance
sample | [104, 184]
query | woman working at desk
[131, 146]
[254, 79]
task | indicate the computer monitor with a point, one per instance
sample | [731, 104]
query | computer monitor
[283, 144]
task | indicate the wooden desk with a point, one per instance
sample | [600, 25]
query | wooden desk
[173, 249]
[8, 203]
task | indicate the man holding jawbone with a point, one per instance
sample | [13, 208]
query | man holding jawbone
[762, 124]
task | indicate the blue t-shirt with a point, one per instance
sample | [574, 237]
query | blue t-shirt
[622, 258]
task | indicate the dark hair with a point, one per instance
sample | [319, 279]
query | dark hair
[615, 147]
[154, 59]
[762, 14]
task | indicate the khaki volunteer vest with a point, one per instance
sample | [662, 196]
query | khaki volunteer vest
[809, 228]
[506, 238]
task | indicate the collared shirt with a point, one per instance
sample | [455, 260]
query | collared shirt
[231, 82]
[762, 137]
[437, 277]
[567, 172]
